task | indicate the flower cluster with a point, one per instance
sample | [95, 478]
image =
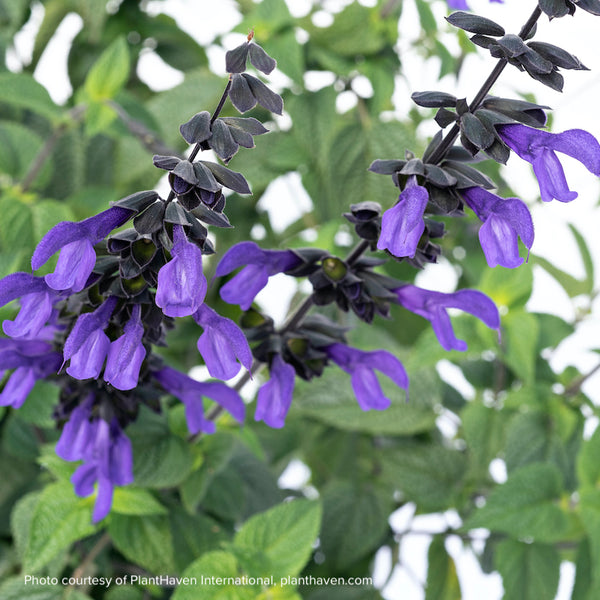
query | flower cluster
[90, 324]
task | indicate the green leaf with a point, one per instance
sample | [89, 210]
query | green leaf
[23, 91]
[354, 523]
[571, 285]
[442, 580]
[98, 117]
[216, 451]
[532, 437]
[430, 475]
[483, 429]
[586, 257]
[508, 287]
[136, 501]
[217, 564]
[45, 215]
[59, 519]
[345, 592]
[146, 541]
[283, 536]
[520, 336]
[173, 45]
[110, 72]
[48, 459]
[289, 53]
[525, 506]
[590, 518]
[356, 30]
[19, 438]
[125, 592]
[17, 589]
[428, 21]
[552, 330]
[583, 572]
[20, 520]
[193, 535]
[330, 399]
[19, 146]
[200, 89]
[529, 571]
[266, 18]
[160, 459]
[588, 461]
[40, 405]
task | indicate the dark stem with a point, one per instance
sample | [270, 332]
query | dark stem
[203, 145]
[575, 387]
[443, 147]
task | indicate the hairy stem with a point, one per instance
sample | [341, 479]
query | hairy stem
[440, 152]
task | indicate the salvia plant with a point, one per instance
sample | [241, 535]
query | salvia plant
[114, 301]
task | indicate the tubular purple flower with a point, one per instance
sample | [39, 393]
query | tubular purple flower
[106, 452]
[32, 360]
[540, 147]
[402, 225]
[361, 366]
[181, 283]
[87, 344]
[126, 354]
[36, 304]
[222, 344]
[433, 306]
[76, 242]
[275, 396]
[504, 220]
[190, 392]
[258, 264]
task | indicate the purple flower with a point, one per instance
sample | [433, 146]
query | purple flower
[221, 344]
[458, 4]
[403, 224]
[106, 452]
[76, 243]
[31, 360]
[181, 284]
[275, 396]
[540, 147]
[126, 354]
[361, 366]
[462, 4]
[259, 266]
[36, 304]
[433, 305]
[87, 344]
[190, 392]
[504, 220]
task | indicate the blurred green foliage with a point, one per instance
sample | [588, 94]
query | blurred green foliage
[214, 508]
